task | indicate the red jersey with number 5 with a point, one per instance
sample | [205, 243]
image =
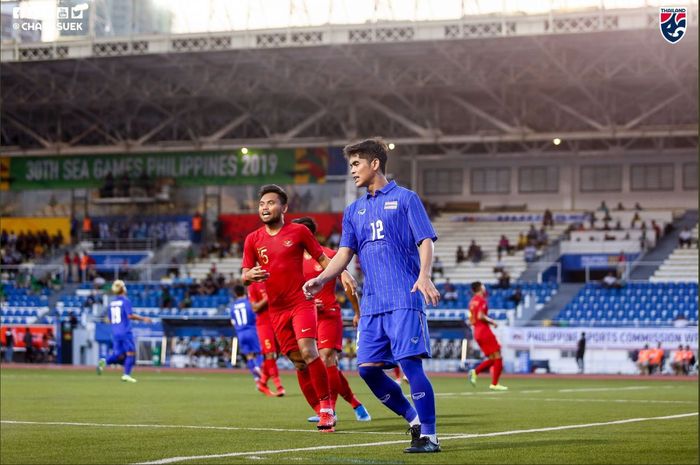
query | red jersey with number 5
[478, 305]
[282, 256]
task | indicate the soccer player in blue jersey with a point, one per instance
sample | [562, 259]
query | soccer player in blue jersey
[389, 230]
[243, 320]
[123, 347]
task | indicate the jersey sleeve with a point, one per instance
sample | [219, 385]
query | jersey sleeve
[348, 238]
[418, 220]
[310, 243]
[249, 259]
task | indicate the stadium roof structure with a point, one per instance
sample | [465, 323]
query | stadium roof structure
[598, 80]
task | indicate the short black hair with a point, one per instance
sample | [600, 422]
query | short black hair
[369, 149]
[476, 286]
[308, 222]
[239, 290]
[268, 188]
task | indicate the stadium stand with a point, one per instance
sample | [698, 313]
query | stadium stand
[681, 265]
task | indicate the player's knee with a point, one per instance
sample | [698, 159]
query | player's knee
[309, 354]
[299, 365]
[369, 371]
[328, 356]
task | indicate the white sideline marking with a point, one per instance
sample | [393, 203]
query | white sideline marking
[536, 391]
[387, 443]
[628, 388]
[222, 428]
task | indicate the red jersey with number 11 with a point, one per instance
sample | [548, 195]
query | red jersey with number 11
[282, 256]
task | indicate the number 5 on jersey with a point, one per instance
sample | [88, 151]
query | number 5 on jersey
[262, 253]
[377, 230]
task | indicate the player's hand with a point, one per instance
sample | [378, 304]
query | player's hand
[355, 321]
[312, 287]
[349, 283]
[147, 320]
[427, 288]
[257, 274]
[495, 325]
[319, 304]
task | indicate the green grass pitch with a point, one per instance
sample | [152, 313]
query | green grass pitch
[220, 418]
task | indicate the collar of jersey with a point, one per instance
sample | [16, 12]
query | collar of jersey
[384, 190]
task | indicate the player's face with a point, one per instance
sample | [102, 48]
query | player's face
[271, 209]
[361, 170]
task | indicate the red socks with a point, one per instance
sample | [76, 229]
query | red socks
[497, 369]
[307, 388]
[484, 366]
[271, 371]
[345, 391]
[334, 381]
[319, 378]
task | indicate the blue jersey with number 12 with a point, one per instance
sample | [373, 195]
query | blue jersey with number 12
[242, 314]
[384, 230]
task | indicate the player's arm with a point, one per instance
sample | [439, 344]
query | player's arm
[331, 270]
[134, 316]
[352, 297]
[259, 305]
[349, 283]
[255, 274]
[424, 284]
[486, 319]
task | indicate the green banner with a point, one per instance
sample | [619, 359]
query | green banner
[279, 166]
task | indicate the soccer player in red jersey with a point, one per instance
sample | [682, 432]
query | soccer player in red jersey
[274, 254]
[266, 334]
[330, 329]
[478, 317]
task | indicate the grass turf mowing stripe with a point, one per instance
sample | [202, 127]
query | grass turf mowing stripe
[386, 443]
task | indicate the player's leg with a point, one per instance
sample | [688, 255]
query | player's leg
[330, 338]
[497, 370]
[373, 355]
[266, 336]
[130, 360]
[410, 343]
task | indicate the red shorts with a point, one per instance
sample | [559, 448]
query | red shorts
[487, 341]
[266, 336]
[330, 329]
[293, 324]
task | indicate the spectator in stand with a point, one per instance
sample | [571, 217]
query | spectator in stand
[547, 219]
[621, 264]
[657, 231]
[166, 300]
[449, 292]
[532, 233]
[620, 207]
[680, 321]
[516, 297]
[503, 280]
[635, 219]
[503, 246]
[66, 266]
[107, 190]
[460, 257]
[611, 282]
[87, 227]
[618, 226]
[522, 241]
[638, 207]
[542, 238]
[174, 268]
[591, 219]
[186, 301]
[530, 253]
[656, 359]
[474, 253]
[679, 362]
[124, 187]
[197, 228]
[438, 268]
[685, 237]
[643, 360]
[603, 207]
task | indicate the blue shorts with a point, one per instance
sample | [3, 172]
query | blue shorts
[248, 341]
[392, 336]
[123, 344]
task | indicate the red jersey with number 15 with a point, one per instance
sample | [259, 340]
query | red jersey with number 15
[312, 269]
[282, 256]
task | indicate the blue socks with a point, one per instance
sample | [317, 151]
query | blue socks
[388, 392]
[254, 368]
[421, 392]
[129, 364]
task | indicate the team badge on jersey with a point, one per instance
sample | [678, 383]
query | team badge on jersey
[288, 243]
[673, 23]
[391, 205]
[361, 212]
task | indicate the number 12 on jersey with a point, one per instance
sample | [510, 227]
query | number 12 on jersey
[377, 230]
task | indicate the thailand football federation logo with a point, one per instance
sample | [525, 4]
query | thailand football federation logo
[673, 22]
